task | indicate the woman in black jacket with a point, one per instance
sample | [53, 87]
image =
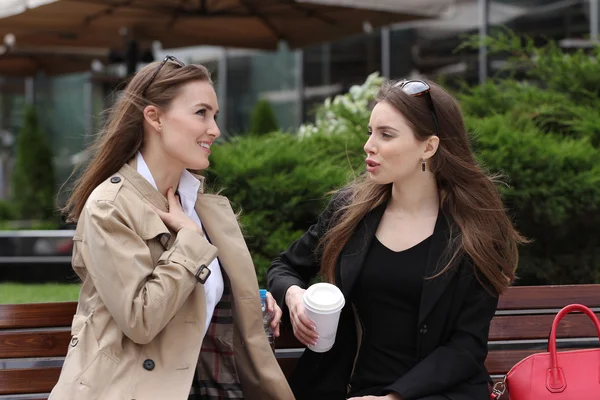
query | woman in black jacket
[420, 246]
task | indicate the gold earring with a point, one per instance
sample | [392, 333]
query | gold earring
[423, 165]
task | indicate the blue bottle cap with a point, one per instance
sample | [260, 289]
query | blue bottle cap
[263, 293]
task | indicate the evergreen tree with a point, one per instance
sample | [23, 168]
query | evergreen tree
[263, 119]
[33, 176]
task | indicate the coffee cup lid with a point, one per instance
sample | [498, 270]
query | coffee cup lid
[324, 297]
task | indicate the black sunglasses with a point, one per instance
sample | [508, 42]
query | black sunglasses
[417, 89]
[164, 61]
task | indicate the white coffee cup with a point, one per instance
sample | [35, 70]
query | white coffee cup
[323, 303]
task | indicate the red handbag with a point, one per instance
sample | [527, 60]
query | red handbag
[566, 375]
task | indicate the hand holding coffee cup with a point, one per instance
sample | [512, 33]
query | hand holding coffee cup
[304, 328]
[323, 303]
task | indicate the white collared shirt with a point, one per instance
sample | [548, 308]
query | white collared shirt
[188, 193]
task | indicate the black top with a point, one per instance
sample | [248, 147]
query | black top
[387, 296]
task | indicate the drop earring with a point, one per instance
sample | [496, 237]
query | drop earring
[423, 165]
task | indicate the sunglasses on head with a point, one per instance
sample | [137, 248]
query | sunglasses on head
[164, 61]
[416, 88]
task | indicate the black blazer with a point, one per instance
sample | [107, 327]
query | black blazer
[454, 318]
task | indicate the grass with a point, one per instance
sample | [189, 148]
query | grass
[15, 293]
[28, 225]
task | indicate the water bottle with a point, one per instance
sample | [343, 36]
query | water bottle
[267, 318]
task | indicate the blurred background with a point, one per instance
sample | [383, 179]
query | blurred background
[294, 79]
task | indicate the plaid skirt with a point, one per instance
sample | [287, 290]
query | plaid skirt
[216, 376]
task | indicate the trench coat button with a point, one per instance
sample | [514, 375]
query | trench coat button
[423, 329]
[115, 179]
[74, 341]
[149, 365]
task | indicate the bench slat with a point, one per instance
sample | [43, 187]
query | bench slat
[544, 297]
[34, 344]
[513, 327]
[41, 315]
[27, 381]
[519, 327]
[501, 361]
[498, 361]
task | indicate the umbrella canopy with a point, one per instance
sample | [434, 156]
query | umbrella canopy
[431, 8]
[51, 61]
[259, 24]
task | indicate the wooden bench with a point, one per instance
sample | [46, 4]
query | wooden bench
[34, 337]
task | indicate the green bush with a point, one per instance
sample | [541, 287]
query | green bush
[543, 134]
[554, 196]
[33, 177]
[6, 210]
[263, 119]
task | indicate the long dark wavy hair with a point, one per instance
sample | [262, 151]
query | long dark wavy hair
[480, 226]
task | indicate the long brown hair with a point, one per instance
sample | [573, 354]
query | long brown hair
[480, 227]
[123, 133]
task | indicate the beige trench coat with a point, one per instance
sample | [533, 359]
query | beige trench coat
[140, 320]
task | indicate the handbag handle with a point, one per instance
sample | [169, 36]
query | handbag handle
[555, 381]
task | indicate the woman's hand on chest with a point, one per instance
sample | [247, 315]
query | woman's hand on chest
[176, 218]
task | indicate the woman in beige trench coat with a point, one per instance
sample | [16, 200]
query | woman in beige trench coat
[169, 305]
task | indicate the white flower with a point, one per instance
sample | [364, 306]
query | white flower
[346, 113]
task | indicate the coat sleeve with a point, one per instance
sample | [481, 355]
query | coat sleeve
[140, 296]
[300, 262]
[461, 357]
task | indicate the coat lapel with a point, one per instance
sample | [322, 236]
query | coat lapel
[222, 228]
[353, 255]
[153, 226]
[433, 288]
[255, 361]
